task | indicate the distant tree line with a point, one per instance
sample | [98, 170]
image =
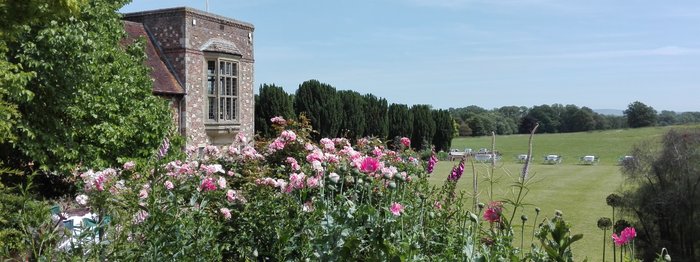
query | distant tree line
[352, 115]
[558, 118]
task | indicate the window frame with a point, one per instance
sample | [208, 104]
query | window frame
[233, 93]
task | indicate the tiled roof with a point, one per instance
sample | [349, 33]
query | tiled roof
[164, 81]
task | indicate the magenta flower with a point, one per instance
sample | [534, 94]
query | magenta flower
[369, 165]
[431, 163]
[207, 185]
[456, 172]
[625, 236]
[406, 141]
[396, 209]
[493, 212]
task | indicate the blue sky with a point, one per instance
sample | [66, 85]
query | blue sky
[453, 53]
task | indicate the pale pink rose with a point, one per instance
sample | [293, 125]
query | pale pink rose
[225, 212]
[231, 195]
[140, 216]
[278, 120]
[293, 163]
[296, 181]
[129, 165]
[221, 182]
[143, 193]
[396, 209]
[169, 185]
[378, 152]
[312, 182]
[328, 144]
[81, 199]
[288, 135]
[308, 206]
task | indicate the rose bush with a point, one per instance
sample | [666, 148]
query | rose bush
[289, 198]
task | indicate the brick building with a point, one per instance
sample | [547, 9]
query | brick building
[202, 63]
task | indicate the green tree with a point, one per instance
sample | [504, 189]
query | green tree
[444, 130]
[640, 115]
[19, 16]
[547, 116]
[274, 101]
[321, 104]
[400, 121]
[376, 116]
[423, 126]
[667, 118]
[665, 194]
[353, 114]
[91, 95]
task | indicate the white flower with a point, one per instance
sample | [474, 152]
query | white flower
[81, 199]
[334, 177]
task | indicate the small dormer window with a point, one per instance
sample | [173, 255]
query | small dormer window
[221, 91]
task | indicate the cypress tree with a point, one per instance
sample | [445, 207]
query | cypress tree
[320, 103]
[423, 127]
[444, 130]
[376, 114]
[353, 125]
[273, 101]
[400, 121]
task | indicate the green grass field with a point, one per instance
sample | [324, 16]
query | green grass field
[579, 191]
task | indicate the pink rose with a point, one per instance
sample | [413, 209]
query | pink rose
[225, 212]
[396, 209]
[169, 185]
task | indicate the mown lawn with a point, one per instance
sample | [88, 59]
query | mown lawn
[579, 191]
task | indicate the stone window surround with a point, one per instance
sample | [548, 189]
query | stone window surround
[218, 126]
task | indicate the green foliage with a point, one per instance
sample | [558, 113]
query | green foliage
[26, 229]
[354, 121]
[444, 130]
[554, 235]
[376, 117]
[272, 101]
[92, 101]
[423, 126]
[321, 104]
[640, 115]
[400, 121]
[663, 196]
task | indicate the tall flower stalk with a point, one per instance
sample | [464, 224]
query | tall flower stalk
[522, 180]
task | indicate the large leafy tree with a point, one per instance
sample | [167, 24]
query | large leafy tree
[273, 101]
[400, 121]
[321, 104]
[640, 115]
[423, 126]
[376, 114]
[89, 101]
[354, 121]
[444, 130]
[19, 17]
[665, 195]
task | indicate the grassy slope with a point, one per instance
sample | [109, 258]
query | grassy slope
[577, 190]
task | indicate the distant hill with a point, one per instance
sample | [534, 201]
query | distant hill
[612, 112]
